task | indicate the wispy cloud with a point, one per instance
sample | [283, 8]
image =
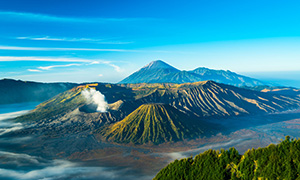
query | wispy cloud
[49, 59]
[46, 17]
[59, 169]
[55, 66]
[12, 114]
[34, 70]
[117, 68]
[59, 59]
[65, 39]
[62, 49]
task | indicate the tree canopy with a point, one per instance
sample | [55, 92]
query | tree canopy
[280, 161]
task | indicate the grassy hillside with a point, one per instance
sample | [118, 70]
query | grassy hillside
[69, 100]
[280, 161]
[155, 123]
[60, 104]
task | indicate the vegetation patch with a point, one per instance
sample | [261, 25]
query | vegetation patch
[280, 161]
[156, 123]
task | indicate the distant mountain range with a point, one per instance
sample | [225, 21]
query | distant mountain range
[161, 72]
[17, 91]
[133, 107]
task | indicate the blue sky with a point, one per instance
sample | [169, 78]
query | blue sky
[80, 41]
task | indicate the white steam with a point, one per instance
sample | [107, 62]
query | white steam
[96, 98]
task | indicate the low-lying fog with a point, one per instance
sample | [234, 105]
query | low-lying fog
[275, 129]
[23, 166]
[16, 165]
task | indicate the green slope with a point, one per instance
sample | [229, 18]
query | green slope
[155, 123]
[60, 104]
[280, 161]
[69, 100]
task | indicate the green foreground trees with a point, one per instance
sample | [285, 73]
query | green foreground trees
[280, 161]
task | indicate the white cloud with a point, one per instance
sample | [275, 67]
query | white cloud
[62, 169]
[34, 70]
[58, 59]
[95, 62]
[51, 59]
[44, 17]
[55, 66]
[117, 68]
[12, 114]
[61, 49]
[7, 130]
[100, 75]
[58, 169]
[98, 41]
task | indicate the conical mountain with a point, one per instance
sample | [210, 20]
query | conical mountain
[156, 123]
[154, 72]
[161, 72]
[159, 64]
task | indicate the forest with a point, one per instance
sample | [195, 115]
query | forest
[281, 161]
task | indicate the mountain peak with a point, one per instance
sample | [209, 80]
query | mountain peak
[158, 64]
[155, 123]
[160, 72]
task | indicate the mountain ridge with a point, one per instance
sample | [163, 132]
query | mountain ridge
[159, 64]
[161, 72]
[199, 103]
[203, 99]
[17, 91]
[155, 123]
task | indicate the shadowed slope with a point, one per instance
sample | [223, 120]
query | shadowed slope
[154, 72]
[208, 98]
[203, 99]
[226, 77]
[17, 91]
[155, 123]
[160, 72]
[60, 104]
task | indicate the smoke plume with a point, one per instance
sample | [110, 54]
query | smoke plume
[96, 98]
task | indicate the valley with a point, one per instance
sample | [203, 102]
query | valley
[149, 90]
[134, 130]
[143, 162]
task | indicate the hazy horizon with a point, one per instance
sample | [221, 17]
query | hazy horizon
[278, 78]
[106, 41]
